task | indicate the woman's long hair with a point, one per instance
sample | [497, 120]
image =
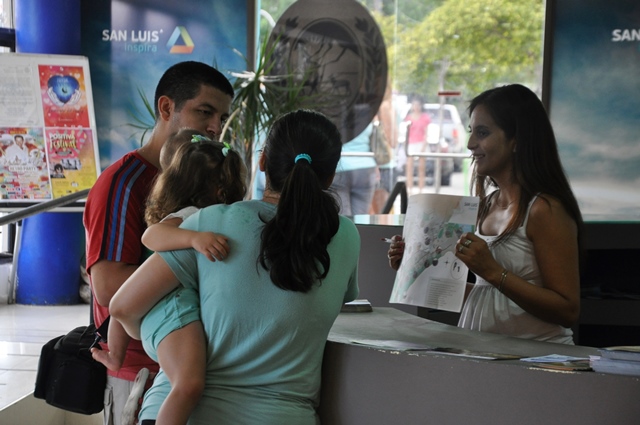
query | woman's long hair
[294, 242]
[536, 163]
[197, 173]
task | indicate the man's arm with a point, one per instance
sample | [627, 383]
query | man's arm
[107, 277]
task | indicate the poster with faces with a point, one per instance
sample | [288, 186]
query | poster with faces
[48, 146]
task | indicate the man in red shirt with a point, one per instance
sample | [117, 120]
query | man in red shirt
[189, 94]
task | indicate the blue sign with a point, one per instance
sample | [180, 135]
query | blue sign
[129, 46]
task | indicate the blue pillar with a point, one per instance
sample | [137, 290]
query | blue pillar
[51, 244]
[49, 259]
[48, 26]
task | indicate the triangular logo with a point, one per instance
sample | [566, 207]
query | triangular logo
[180, 33]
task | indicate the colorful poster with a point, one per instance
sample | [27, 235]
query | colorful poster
[23, 168]
[48, 147]
[71, 160]
[64, 100]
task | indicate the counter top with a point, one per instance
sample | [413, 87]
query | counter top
[386, 323]
[363, 385]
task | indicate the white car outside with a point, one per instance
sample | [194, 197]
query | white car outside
[452, 128]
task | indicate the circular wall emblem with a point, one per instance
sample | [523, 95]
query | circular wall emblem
[335, 51]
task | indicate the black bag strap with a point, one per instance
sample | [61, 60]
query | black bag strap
[101, 333]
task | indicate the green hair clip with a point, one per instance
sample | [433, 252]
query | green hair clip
[226, 149]
[197, 138]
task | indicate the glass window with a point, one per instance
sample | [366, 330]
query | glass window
[464, 46]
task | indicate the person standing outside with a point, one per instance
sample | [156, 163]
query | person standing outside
[356, 176]
[189, 94]
[388, 123]
[419, 121]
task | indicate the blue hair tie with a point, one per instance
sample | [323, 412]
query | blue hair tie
[303, 156]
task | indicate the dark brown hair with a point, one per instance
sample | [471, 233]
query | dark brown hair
[183, 81]
[294, 241]
[536, 163]
[198, 174]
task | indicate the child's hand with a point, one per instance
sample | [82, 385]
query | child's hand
[213, 246]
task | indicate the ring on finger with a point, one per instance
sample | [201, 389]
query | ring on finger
[467, 243]
[460, 248]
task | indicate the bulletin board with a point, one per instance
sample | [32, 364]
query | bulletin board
[48, 143]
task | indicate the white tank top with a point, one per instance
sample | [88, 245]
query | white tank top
[488, 310]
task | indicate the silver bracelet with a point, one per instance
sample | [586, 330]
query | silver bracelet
[503, 277]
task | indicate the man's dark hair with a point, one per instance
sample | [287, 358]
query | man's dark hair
[182, 82]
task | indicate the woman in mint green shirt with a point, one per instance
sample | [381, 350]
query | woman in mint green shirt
[268, 307]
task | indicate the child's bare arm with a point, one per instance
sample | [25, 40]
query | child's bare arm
[167, 236]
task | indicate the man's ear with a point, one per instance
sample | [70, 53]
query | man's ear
[261, 161]
[165, 108]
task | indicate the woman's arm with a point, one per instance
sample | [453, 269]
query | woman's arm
[555, 242]
[167, 236]
[554, 235]
[140, 292]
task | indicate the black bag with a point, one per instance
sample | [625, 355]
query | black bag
[68, 377]
[379, 144]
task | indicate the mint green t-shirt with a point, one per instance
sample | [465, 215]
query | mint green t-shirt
[265, 344]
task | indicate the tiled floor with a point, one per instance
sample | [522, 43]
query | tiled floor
[24, 329]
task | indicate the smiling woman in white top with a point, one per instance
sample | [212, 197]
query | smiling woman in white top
[525, 252]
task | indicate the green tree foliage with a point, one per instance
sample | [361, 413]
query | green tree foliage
[469, 45]
[465, 45]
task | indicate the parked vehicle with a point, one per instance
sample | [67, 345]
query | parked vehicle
[452, 128]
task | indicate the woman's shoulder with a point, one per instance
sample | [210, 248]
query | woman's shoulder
[547, 211]
[347, 223]
[348, 229]
[543, 204]
[240, 205]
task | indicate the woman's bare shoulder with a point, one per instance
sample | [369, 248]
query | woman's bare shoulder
[548, 213]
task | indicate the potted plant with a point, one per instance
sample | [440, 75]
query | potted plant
[259, 99]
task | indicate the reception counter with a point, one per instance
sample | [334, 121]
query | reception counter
[368, 385]
[610, 307]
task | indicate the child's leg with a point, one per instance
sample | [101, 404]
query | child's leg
[117, 339]
[182, 356]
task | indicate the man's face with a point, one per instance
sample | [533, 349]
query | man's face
[207, 112]
[19, 140]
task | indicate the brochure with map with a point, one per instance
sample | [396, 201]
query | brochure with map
[430, 274]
